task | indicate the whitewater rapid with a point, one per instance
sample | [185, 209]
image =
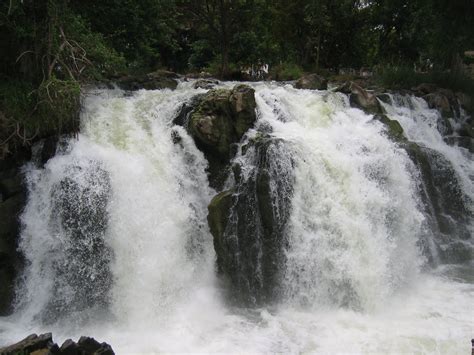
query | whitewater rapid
[356, 279]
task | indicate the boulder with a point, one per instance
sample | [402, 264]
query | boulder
[248, 221]
[43, 344]
[439, 102]
[364, 100]
[30, 344]
[221, 118]
[463, 142]
[160, 79]
[217, 120]
[393, 128]
[311, 82]
[445, 205]
[211, 123]
[206, 84]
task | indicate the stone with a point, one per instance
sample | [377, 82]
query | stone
[248, 222]
[439, 102]
[44, 345]
[206, 84]
[364, 100]
[29, 345]
[311, 82]
[69, 347]
[448, 215]
[463, 142]
[217, 121]
[393, 128]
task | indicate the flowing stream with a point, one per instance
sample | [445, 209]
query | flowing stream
[117, 244]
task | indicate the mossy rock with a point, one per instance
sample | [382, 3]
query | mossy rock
[364, 100]
[393, 128]
[219, 210]
[248, 222]
[221, 118]
[312, 82]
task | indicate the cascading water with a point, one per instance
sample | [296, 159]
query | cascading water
[117, 243]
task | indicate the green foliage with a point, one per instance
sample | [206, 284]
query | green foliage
[104, 60]
[286, 71]
[404, 77]
[58, 106]
[29, 113]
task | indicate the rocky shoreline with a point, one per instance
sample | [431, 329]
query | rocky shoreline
[43, 344]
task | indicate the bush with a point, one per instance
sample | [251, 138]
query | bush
[27, 113]
[286, 71]
[406, 78]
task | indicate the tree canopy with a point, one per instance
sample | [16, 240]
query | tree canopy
[187, 35]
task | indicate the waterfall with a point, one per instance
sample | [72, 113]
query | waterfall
[341, 239]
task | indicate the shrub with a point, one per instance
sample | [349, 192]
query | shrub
[286, 71]
[406, 78]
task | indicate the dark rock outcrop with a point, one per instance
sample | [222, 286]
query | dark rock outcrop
[12, 202]
[43, 344]
[311, 82]
[160, 79]
[248, 222]
[216, 121]
[445, 204]
[364, 99]
[221, 118]
[440, 102]
[393, 128]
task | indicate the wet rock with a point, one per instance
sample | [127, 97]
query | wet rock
[393, 128]
[466, 130]
[221, 118]
[344, 87]
[43, 344]
[206, 84]
[248, 222]
[439, 102]
[242, 105]
[160, 79]
[91, 346]
[463, 142]
[30, 344]
[69, 347]
[311, 82]
[182, 119]
[218, 120]
[445, 204]
[364, 100]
